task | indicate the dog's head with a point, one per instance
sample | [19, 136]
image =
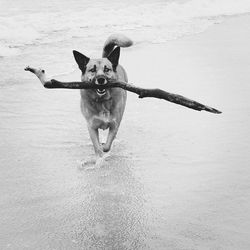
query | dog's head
[98, 71]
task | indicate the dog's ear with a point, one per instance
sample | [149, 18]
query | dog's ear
[114, 57]
[81, 60]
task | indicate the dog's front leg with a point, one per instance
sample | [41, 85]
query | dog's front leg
[111, 136]
[94, 136]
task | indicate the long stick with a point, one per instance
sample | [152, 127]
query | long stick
[156, 93]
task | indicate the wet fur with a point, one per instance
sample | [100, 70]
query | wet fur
[103, 111]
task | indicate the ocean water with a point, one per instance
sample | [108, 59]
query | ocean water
[32, 23]
[174, 179]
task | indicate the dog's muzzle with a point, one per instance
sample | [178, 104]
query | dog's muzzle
[101, 81]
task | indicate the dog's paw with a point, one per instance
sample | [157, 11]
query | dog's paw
[91, 164]
[87, 164]
[100, 162]
[105, 147]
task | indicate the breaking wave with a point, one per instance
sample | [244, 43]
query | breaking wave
[145, 21]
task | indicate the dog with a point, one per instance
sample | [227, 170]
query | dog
[103, 108]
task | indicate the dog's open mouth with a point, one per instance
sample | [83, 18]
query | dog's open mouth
[101, 91]
[100, 81]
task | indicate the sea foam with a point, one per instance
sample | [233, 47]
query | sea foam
[144, 21]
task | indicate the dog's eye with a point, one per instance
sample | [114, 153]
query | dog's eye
[92, 70]
[106, 69]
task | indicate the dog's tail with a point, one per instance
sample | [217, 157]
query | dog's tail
[118, 40]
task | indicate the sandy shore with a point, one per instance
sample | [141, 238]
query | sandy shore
[176, 178]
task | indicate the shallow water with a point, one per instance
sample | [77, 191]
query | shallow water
[170, 181]
[174, 179]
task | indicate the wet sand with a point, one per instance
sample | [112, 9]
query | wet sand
[175, 179]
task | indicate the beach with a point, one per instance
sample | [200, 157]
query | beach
[175, 178]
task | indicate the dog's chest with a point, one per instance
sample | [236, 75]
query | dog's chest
[103, 118]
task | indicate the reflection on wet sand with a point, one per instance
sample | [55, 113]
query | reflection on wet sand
[112, 216]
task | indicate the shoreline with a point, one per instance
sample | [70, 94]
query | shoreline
[176, 178]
